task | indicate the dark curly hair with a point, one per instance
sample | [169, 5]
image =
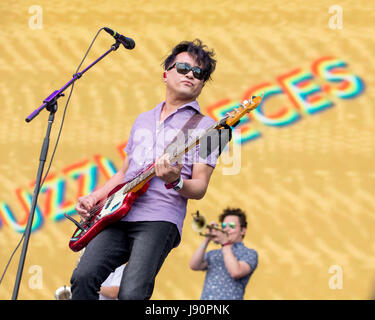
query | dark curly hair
[199, 51]
[234, 212]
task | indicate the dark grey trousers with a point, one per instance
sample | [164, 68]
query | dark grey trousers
[143, 245]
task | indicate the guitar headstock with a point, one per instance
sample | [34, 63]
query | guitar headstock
[246, 106]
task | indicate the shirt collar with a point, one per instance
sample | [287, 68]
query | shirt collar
[193, 104]
[238, 244]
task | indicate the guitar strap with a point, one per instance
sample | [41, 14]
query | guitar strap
[190, 124]
[217, 138]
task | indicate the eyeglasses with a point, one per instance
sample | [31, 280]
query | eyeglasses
[185, 68]
[231, 225]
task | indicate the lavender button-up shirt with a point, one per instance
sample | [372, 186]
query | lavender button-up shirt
[148, 139]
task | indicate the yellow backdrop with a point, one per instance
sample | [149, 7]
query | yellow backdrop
[306, 177]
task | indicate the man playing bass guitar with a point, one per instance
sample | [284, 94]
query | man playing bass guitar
[152, 228]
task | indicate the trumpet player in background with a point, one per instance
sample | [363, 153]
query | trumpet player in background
[229, 268]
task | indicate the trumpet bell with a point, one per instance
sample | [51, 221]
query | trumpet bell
[199, 222]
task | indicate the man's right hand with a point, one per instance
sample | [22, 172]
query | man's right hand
[212, 233]
[85, 204]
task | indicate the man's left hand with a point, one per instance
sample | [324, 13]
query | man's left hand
[165, 171]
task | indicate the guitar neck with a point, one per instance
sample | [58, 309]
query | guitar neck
[229, 120]
[194, 141]
[149, 173]
[144, 176]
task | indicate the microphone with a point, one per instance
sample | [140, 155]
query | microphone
[128, 43]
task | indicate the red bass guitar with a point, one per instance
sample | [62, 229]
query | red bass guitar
[120, 199]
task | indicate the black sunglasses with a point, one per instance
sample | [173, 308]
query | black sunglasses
[185, 68]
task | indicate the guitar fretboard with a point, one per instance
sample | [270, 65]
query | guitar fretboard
[143, 176]
[180, 151]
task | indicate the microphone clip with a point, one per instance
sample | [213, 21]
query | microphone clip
[115, 45]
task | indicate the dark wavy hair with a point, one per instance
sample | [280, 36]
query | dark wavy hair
[199, 52]
[234, 212]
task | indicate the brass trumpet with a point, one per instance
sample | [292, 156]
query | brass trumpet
[199, 224]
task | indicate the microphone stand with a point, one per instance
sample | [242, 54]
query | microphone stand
[50, 104]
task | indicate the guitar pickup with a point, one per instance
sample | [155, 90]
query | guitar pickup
[115, 206]
[109, 202]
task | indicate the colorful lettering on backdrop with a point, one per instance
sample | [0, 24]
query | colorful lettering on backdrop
[307, 97]
[300, 86]
[85, 177]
